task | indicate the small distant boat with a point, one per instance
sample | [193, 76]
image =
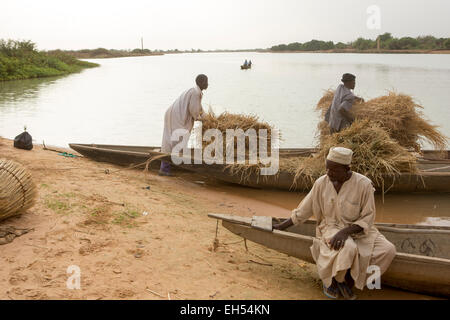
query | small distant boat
[243, 67]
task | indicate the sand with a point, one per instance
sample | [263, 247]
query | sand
[96, 221]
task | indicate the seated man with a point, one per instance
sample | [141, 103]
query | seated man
[339, 116]
[347, 242]
[181, 115]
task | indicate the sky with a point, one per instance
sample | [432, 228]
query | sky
[214, 24]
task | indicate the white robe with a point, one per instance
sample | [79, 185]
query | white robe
[354, 204]
[181, 115]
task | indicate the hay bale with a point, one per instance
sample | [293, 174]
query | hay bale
[375, 154]
[398, 114]
[17, 189]
[228, 120]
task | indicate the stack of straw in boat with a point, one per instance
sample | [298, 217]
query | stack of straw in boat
[228, 120]
[384, 131]
[17, 190]
[375, 153]
[398, 114]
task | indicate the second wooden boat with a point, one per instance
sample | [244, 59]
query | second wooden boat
[422, 262]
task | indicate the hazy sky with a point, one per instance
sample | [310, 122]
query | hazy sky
[212, 24]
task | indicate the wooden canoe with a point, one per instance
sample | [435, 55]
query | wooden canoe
[434, 175]
[245, 67]
[422, 262]
[133, 155]
[435, 166]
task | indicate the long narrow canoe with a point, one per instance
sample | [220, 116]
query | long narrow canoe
[422, 262]
[434, 177]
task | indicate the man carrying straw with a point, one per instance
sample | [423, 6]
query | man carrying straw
[347, 242]
[181, 115]
[339, 116]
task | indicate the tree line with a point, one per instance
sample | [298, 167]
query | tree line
[387, 42]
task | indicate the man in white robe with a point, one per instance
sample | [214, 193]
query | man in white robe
[181, 115]
[347, 242]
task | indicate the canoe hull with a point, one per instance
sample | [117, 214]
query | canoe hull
[434, 178]
[412, 272]
[437, 182]
[120, 155]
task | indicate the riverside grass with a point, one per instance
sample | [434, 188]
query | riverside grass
[17, 189]
[20, 60]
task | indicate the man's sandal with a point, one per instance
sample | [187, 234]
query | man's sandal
[345, 290]
[332, 293]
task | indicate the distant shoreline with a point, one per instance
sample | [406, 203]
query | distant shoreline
[366, 51]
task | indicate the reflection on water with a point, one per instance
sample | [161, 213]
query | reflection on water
[12, 93]
[425, 209]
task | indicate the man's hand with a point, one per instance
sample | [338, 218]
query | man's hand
[338, 241]
[283, 225]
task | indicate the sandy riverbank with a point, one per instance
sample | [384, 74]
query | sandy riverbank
[79, 220]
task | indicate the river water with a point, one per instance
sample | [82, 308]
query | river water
[124, 100]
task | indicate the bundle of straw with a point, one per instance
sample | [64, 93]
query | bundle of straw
[228, 120]
[375, 154]
[398, 114]
[17, 190]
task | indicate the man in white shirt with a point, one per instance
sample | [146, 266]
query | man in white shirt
[347, 241]
[181, 115]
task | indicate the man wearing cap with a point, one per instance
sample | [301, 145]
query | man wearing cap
[181, 115]
[346, 242]
[339, 116]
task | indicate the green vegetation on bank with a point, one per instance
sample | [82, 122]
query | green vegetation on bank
[386, 42]
[109, 53]
[21, 60]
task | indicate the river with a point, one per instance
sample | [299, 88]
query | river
[124, 100]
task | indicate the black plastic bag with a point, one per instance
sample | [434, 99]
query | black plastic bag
[23, 141]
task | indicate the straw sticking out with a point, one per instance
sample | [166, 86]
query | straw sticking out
[375, 154]
[398, 114]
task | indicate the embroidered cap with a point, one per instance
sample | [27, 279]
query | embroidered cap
[340, 155]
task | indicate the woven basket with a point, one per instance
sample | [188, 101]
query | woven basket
[17, 189]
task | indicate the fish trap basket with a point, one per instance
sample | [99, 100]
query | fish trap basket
[17, 189]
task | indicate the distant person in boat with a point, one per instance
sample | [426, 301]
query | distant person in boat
[250, 63]
[245, 63]
[346, 242]
[339, 116]
[181, 115]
